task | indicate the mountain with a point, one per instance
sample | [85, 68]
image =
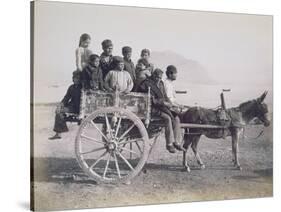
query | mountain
[189, 70]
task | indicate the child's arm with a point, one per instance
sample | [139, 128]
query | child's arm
[101, 83]
[78, 59]
[130, 83]
[107, 81]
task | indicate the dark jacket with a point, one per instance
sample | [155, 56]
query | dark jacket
[92, 78]
[72, 98]
[158, 96]
[106, 66]
[130, 67]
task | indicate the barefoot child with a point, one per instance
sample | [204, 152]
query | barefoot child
[82, 53]
[69, 104]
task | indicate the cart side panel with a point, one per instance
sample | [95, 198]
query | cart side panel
[138, 103]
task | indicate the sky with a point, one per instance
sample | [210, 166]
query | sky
[233, 48]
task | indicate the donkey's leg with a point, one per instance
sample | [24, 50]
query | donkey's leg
[194, 147]
[187, 142]
[235, 147]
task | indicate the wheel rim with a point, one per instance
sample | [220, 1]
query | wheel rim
[112, 145]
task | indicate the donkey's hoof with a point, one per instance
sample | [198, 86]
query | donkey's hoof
[202, 166]
[238, 167]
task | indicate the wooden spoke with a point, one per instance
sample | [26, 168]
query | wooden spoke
[116, 164]
[96, 162]
[127, 131]
[93, 150]
[100, 132]
[138, 146]
[126, 161]
[118, 126]
[131, 147]
[129, 141]
[106, 166]
[91, 139]
[129, 150]
[107, 124]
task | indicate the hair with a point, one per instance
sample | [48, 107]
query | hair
[76, 74]
[126, 49]
[145, 51]
[83, 38]
[170, 70]
[93, 57]
[106, 43]
[143, 61]
[157, 72]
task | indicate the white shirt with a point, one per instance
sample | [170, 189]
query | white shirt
[122, 79]
[170, 91]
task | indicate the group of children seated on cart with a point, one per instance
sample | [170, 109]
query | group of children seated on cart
[110, 73]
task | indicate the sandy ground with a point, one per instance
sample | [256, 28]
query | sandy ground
[60, 183]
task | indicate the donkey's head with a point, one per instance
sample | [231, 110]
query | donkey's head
[262, 110]
[256, 109]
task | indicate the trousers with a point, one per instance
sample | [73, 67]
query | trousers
[172, 128]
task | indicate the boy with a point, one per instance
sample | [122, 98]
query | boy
[160, 107]
[171, 73]
[128, 64]
[118, 79]
[91, 76]
[142, 72]
[145, 54]
[106, 58]
[69, 104]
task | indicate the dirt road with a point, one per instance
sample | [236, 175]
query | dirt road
[60, 183]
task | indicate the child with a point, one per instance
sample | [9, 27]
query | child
[145, 54]
[128, 64]
[91, 76]
[82, 53]
[69, 104]
[142, 72]
[118, 79]
[106, 58]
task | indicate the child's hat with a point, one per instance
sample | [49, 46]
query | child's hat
[118, 59]
[106, 43]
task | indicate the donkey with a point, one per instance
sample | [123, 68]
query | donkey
[238, 117]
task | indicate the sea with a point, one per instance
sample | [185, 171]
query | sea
[203, 95]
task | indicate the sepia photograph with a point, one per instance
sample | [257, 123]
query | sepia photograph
[140, 106]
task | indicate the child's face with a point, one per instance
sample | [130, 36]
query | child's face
[85, 43]
[108, 50]
[127, 55]
[173, 76]
[157, 77]
[120, 66]
[142, 66]
[95, 63]
[145, 56]
[76, 80]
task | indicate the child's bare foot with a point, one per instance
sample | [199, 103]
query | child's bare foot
[56, 136]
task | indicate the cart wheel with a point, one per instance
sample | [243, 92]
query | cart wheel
[112, 145]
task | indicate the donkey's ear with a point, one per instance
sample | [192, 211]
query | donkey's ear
[262, 97]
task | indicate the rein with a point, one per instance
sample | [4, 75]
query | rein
[252, 138]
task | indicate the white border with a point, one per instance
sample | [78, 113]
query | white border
[15, 101]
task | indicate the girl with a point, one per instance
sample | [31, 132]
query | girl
[82, 53]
